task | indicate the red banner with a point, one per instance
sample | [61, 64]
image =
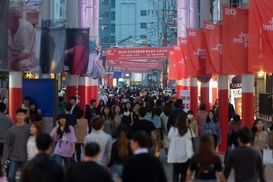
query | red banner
[108, 81]
[135, 70]
[260, 36]
[175, 63]
[184, 50]
[137, 53]
[136, 64]
[197, 53]
[213, 35]
[235, 40]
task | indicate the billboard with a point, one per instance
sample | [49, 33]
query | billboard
[4, 14]
[135, 70]
[137, 53]
[136, 64]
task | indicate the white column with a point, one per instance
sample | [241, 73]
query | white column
[205, 12]
[96, 17]
[15, 93]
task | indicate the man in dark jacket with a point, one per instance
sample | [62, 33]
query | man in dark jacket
[174, 114]
[42, 167]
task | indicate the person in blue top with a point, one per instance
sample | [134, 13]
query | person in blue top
[212, 126]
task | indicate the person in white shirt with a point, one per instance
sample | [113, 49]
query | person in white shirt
[25, 105]
[103, 97]
[35, 130]
[21, 42]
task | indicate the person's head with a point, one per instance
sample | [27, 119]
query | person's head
[166, 99]
[122, 140]
[102, 93]
[67, 107]
[258, 125]
[152, 103]
[217, 102]
[128, 106]
[106, 111]
[97, 123]
[245, 136]
[211, 116]
[149, 109]
[202, 107]
[177, 105]
[2, 96]
[80, 114]
[73, 100]
[20, 115]
[181, 124]
[33, 106]
[93, 102]
[3, 107]
[91, 152]
[190, 114]
[166, 93]
[111, 96]
[158, 103]
[26, 100]
[117, 110]
[35, 128]
[140, 140]
[236, 118]
[136, 107]
[14, 17]
[142, 112]
[62, 120]
[168, 108]
[205, 154]
[44, 143]
[61, 100]
[101, 103]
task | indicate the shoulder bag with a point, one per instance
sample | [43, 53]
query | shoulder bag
[194, 140]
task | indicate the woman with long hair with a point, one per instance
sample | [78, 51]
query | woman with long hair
[65, 138]
[181, 149]
[158, 107]
[206, 162]
[128, 111]
[81, 132]
[136, 112]
[168, 108]
[117, 115]
[35, 130]
[34, 114]
[192, 122]
[109, 123]
[125, 120]
[100, 107]
[260, 137]
[120, 152]
[212, 126]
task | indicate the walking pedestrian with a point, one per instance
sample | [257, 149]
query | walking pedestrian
[35, 130]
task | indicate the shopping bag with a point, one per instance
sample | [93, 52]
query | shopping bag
[267, 156]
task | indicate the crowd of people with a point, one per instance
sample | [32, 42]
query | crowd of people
[122, 138]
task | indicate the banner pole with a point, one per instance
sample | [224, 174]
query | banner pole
[15, 93]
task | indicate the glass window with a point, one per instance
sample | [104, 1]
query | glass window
[143, 12]
[143, 25]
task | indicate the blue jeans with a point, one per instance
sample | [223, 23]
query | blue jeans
[117, 171]
[60, 159]
[13, 166]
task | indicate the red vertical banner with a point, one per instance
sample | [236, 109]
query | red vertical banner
[108, 80]
[260, 36]
[213, 35]
[184, 50]
[172, 75]
[197, 52]
[235, 40]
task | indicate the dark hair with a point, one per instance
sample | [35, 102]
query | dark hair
[3, 107]
[142, 138]
[177, 104]
[122, 140]
[68, 107]
[97, 122]
[202, 107]
[245, 135]
[91, 149]
[43, 141]
[38, 126]
[21, 111]
[27, 98]
[151, 103]
[80, 114]
[66, 126]
[166, 99]
[168, 108]
[110, 115]
[114, 110]
[236, 117]
[73, 98]
[92, 101]
[158, 103]
[140, 100]
[137, 104]
[205, 154]
[181, 124]
[214, 117]
[180, 101]
[190, 112]
[125, 107]
[61, 99]
[35, 110]
[254, 129]
[142, 112]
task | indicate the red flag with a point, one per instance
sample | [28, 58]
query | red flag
[197, 53]
[235, 40]
[184, 50]
[213, 35]
[172, 66]
[260, 36]
[175, 63]
[108, 81]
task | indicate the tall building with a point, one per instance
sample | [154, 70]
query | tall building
[105, 27]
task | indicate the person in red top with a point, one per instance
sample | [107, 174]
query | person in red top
[80, 53]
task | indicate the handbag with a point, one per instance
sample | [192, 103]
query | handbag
[194, 140]
[267, 156]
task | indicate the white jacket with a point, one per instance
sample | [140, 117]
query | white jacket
[181, 148]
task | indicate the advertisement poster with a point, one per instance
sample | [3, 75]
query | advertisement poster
[136, 64]
[77, 51]
[4, 18]
[108, 81]
[95, 69]
[52, 46]
[185, 97]
[24, 37]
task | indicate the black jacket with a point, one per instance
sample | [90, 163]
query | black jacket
[173, 116]
[75, 110]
